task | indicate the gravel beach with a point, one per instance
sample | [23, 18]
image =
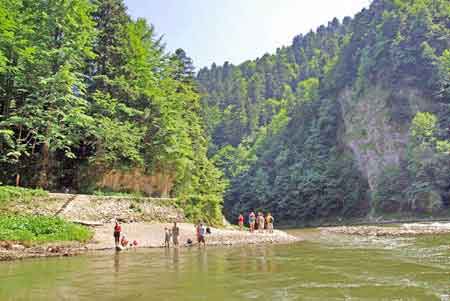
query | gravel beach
[148, 235]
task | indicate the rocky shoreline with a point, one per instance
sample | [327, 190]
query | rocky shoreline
[413, 229]
[148, 235]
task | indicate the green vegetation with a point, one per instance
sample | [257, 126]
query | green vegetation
[118, 194]
[11, 193]
[277, 123]
[87, 89]
[424, 129]
[40, 229]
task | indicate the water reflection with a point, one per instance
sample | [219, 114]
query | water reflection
[202, 259]
[311, 270]
[176, 255]
[116, 262]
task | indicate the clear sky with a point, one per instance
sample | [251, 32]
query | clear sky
[237, 30]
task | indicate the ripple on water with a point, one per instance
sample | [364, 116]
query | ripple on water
[327, 268]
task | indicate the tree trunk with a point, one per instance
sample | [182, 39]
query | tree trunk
[18, 179]
[43, 178]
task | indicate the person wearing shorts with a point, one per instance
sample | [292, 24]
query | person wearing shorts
[241, 221]
[201, 231]
[251, 221]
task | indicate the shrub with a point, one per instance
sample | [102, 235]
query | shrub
[40, 229]
[202, 208]
[12, 193]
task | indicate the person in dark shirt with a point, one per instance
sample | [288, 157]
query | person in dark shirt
[175, 234]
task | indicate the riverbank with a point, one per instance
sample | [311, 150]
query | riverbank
[143, 220]
[148, 235]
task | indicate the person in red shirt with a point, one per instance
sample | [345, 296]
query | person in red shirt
[241, 221]
[117, 231]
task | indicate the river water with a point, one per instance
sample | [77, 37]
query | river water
[323, 267]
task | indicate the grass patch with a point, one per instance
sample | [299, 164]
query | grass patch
[41, 229]
[12, 193]
[115, 193]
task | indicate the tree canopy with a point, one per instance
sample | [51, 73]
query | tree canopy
[85, 86]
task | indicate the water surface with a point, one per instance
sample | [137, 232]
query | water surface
[331, 267]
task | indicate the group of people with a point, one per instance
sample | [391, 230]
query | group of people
[173, 234]
[170, 235]
[120, 240]
[200, 229]
[257, 222]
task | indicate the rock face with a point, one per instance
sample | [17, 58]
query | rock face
[157, 185]
[377, 127]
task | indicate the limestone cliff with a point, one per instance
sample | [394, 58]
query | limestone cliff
[376, 136]
[156, 185]
[377, 130]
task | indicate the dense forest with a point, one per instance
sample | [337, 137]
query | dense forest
[86, 89]
[351, 120]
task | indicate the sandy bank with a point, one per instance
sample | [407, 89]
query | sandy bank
[148, 235]
[152, 235]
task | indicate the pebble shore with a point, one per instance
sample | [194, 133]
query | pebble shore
[412, 229]
[148, 235]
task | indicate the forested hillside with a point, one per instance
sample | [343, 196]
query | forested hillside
[351, 120]
[86, 91]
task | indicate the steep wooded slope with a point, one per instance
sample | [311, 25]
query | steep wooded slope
[349, 120]
[86, 92]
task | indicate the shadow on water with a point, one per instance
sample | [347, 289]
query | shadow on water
[331, 267]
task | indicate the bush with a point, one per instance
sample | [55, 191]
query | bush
[40, 229]
[202, 208]
[12, 193]
[107, 192]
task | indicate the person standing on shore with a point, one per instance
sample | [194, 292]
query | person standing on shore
[269, 221]
[167, 236]
[251, 221]
[241, 221]
[117, 231]
[261, 221]
[201, 231]
[175, 234]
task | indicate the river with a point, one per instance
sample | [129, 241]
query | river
[323, 267]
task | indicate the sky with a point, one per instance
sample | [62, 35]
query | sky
[237, 30]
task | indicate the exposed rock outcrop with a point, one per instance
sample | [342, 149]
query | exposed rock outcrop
[377, 127]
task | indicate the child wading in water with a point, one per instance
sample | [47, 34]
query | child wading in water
[167, 236]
